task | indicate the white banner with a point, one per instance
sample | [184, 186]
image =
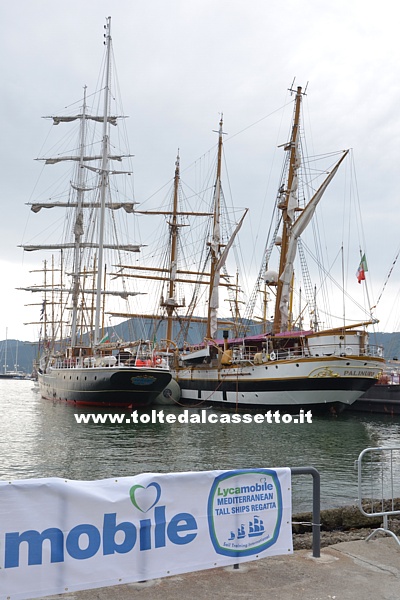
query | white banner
[59, 535]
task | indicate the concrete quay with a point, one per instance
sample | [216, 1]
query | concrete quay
[356, 570]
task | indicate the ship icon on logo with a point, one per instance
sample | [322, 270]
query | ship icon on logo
[255, 528]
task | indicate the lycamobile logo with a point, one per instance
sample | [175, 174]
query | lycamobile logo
[245, 489]
[85, 540]
[245, 512]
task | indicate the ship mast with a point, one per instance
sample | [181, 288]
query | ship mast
[104, 182]
[215, 245]
[286, 204]
[218, 259]
[294, 227]
[170, 303]
[78, 228]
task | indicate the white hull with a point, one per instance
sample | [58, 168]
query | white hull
[291, 384]
[170, 396]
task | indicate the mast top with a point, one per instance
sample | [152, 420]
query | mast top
[107, 27]
[221, 122]
[177, 164]
[298, 90]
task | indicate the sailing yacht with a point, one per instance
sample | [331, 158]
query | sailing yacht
[79, 362]
[6, 373]
[287, 366]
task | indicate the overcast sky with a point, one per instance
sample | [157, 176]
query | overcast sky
[180, 64]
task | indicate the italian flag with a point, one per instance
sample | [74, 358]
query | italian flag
[104, 339]
[362, 269]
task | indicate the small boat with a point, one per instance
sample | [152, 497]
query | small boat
[80, 361]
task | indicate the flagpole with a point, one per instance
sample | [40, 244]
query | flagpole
[343, 284]
[362, 269]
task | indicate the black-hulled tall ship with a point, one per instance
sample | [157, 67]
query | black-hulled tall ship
[80, 361]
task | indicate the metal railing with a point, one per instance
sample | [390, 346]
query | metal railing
[248, 353]
[316, 510]
[379, 485]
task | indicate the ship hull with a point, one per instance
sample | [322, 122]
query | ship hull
[321, 384]
[130, 387]
[380, 398]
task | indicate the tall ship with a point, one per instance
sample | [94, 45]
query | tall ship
[287, 366]
[81, 360]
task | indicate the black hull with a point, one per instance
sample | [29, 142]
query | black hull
[104, 387]
[331, 408]
[382, 399]
[275, 386]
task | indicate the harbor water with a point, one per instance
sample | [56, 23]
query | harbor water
[40, 438]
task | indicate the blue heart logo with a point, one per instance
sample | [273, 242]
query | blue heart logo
[144, 498]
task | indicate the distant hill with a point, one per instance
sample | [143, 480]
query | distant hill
[390, 343]
[24, 353]
[20, 355]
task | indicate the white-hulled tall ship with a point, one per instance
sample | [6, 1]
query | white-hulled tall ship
[79, 363]
[287, 367]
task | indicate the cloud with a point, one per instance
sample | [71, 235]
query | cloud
[180, 64]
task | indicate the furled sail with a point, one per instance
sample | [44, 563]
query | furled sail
[293, 200]
[129, 207]
[295, 232]
[99, 119]
[121, 294]
[214, 300]
[122, 247]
